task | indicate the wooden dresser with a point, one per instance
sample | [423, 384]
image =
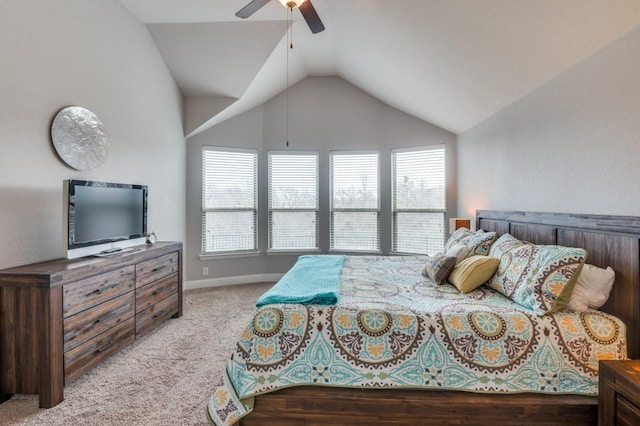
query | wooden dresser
[619, 393]
[59, 319]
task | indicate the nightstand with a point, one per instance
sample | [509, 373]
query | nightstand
[619, 394]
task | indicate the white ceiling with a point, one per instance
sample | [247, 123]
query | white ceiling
[453, 63]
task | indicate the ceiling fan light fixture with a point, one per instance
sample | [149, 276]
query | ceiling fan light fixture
[307, 11]
[291, 3]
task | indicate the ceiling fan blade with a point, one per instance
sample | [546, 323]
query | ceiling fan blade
[251, 8]
[311, 16]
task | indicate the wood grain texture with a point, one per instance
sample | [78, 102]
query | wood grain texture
[157, 313]
[55, 272]
[41, 350]
[307, 405]
[8, 343]
[27, 331]
[619, 397]
[626, 225]
[89, 323]
[180, 269]
[86, 356]
[82, 294]
[50, 358]
[489, 225]
[152, 293]
[535, 234]
[31, 325]
[156, 268]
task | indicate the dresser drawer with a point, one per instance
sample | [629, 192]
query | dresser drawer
[151, 294]
[83, 326]
[156, 313]
[627, 414]
[83, 294]
[84, 357]
[154, 269]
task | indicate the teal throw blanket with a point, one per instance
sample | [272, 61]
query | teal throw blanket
[313, 280]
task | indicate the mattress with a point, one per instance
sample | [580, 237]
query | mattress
[394, 328]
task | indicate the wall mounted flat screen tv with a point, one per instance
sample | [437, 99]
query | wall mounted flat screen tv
[103, 217]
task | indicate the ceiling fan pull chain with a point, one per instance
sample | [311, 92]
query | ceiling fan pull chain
[291, 28]
[289, 37]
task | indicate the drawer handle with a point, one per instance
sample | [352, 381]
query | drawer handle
[104, 347]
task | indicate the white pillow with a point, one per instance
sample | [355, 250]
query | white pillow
[459, 251]
[592, 288]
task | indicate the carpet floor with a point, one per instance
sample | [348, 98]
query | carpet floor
[164, 378]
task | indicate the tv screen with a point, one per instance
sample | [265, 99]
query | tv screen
[99, 213]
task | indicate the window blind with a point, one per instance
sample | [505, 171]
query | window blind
[419, 206]
[293, 201]
[355, 201]
[229, 200]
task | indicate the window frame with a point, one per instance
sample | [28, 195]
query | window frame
[332, 209]
[394, 196]
[255, 209]
[271, 210]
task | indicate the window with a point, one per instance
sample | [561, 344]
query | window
[418, 200]
[355, 206]
[293, 201]
[229, 200]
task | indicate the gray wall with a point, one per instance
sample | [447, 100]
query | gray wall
[95, 54]
[571, 146]
[325, 114]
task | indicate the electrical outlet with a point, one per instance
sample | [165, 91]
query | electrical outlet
[205, 271]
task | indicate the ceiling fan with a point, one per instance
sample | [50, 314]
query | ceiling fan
[306, 8]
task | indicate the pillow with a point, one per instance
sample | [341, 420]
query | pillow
[456, 237]
[459, 251]
[472, 272]
[439, 267]
[538, 277]
[592, 288]
[479, 242]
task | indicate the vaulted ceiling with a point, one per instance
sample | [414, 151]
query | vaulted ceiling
[453, 63]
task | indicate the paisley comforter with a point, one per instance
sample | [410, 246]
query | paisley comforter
[392, 327]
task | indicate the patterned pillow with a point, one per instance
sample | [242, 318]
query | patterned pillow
[537, 277]
[439, 267]
[479, 242]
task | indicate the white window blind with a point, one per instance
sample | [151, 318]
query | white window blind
[293, 201]
[355, 201]
[229, 200]
[418, 183]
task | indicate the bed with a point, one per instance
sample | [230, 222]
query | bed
[487, 397]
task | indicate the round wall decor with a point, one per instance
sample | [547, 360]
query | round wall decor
[80, 138]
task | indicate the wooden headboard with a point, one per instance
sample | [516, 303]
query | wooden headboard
[609, 240]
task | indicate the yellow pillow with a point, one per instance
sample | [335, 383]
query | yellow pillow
[472, 272]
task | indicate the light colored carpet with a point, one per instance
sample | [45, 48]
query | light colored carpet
[164, 378]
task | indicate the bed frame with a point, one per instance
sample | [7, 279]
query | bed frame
[609, 240]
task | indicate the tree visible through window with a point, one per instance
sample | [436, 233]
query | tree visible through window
[229, 200]
[293, 201]
[418, 200]
[355, 204]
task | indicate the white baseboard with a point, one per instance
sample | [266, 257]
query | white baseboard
[220, 282]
